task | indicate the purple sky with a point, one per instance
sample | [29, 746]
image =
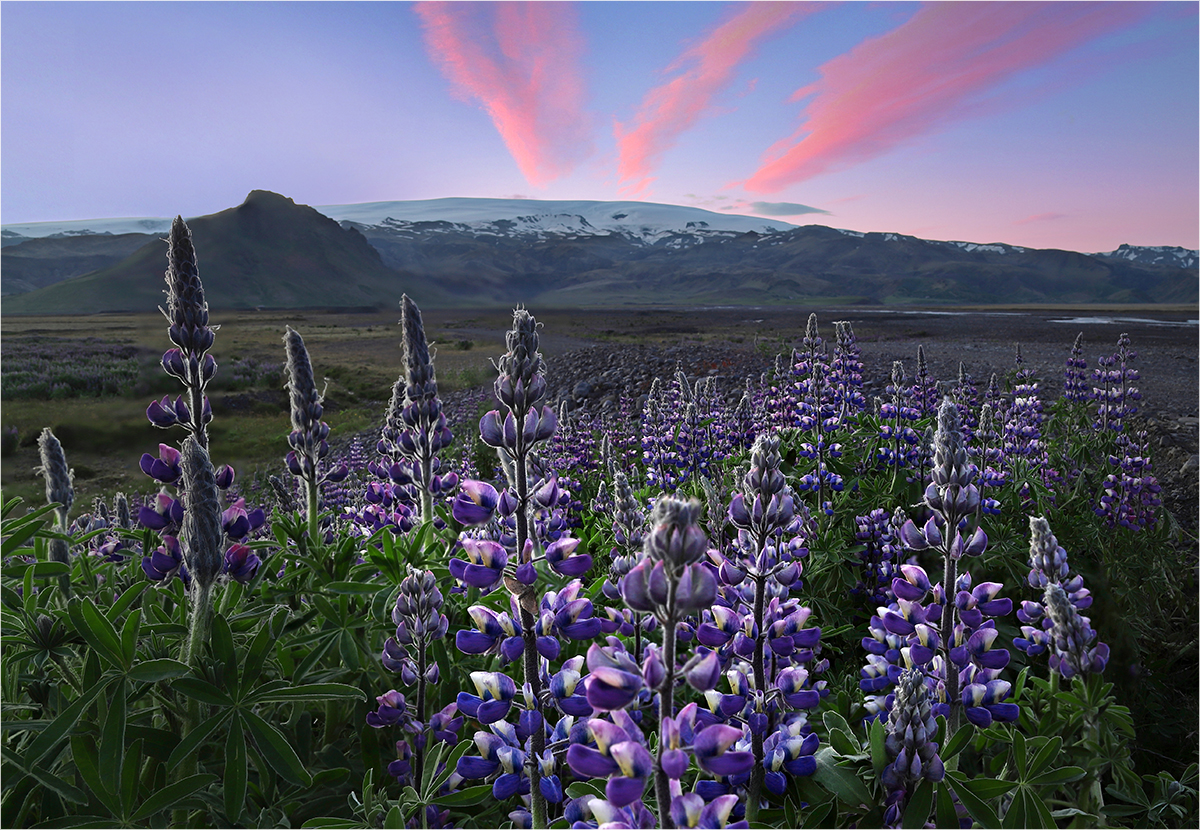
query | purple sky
[1065, 125]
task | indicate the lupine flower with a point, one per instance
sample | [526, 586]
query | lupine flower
[166, 561]
[1056, 623]
[415, 428]
[484, 564]
[1116, 397]
[1075, 385]
[475, 503]
[494, 699]
[241, 563]
[189, 330]
[910, 729]
[166, 468]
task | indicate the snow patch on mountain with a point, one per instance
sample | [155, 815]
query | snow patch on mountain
[1169, 255]
[649, 222]
[87, 227]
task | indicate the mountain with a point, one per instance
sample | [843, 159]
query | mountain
[1171, 256]
[481, 252]
[35, 262]
[267, 252]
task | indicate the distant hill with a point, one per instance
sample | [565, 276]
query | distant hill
[267, 252]
[479, 252]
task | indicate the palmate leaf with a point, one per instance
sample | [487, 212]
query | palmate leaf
[314, 691]
[171, 795]
[841, 781]
[916, 812]
[97, 630]
[112, 739]
[60, 726]
[275, 748]
[47, 779]
[236, 774]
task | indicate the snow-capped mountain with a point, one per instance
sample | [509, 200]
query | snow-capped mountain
[85, 227]
[1171, 256]
[647, 222]
[561, 253]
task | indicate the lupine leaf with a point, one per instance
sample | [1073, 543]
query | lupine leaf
[1045, 756]
[156, 743]
[1017, 811]
[878, 734]
[840, 781]
[196, 737]
[171, 795]
[23, 530]
[1035, 806]
[97, 630]
[916, 812]
[128, 784]
[152, 671]
[112, 738]
[202, 691]
[1020, 754]
[47, 779]
[314, 691]
[989, 788]
[466, 798]
[277, 751]
[235, 772]
[1063, 775]
[87, 762]
[578, 789]
[222, 649]
[36, 570]
[977, 807]
[125, 600]
[61, 725]
[260, 646]
[129, 636]
[957, 743]
[946, 816]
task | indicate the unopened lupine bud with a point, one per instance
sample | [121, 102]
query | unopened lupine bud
[202, 536]
[59, 477]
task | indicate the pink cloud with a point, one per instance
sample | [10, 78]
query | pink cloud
[673, 107]
[928, 72]
[521, 62]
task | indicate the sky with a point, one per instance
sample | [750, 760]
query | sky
[1049, 125]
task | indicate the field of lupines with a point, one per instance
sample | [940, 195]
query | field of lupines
[810, 609]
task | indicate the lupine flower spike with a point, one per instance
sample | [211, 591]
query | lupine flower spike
[59, 489]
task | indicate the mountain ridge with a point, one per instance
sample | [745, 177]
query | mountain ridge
[270, 251]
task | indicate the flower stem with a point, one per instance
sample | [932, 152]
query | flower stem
[760, 686]
[666, 709]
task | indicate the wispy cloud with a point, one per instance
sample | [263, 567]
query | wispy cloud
[783, 209]
[700, 73]
[1040, 217]
[930, 71]
[521, 61]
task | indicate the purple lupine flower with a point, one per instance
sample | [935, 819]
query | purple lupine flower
[164, 469]
[494, 699]
[923, 394]
[189, 330]
[415, 427]
[1075, 378]
[1056, 624]
[309, 436]
[1117, 398]
[898, 440]
[475, 503]
[1129, 497]
[166, 561]
[241, 563]
[911, 727]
